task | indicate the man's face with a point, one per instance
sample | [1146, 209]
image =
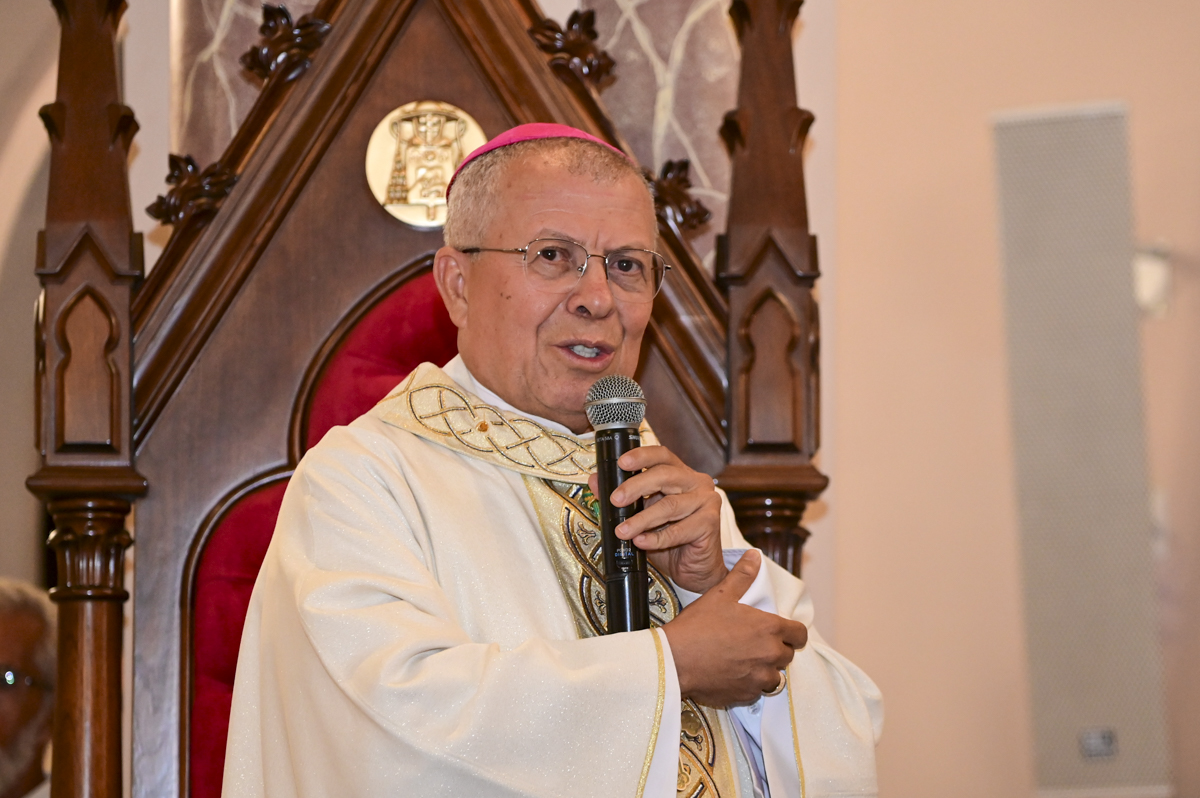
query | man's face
[19, 705]
[539, 351]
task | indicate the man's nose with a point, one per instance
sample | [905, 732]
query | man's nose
[592, 294]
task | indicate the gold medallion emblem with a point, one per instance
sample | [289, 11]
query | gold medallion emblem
[412, 155]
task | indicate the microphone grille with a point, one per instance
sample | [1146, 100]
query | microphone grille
[615, 400]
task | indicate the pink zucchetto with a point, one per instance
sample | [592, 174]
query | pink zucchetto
[529, 132]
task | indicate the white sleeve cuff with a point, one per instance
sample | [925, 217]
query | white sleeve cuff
[758, 595]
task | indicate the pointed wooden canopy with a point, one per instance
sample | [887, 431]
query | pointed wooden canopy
[497, 59]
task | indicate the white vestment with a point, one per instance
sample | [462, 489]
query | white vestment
[412, 633]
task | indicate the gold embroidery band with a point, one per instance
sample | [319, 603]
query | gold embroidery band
[431, 406]
[566, 513]
[796, 739]
[662, 699]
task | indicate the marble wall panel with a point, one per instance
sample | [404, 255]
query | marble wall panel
[210, 92]
[677, 73]
[677, 70]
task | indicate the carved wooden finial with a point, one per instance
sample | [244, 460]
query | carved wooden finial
[194, 193]
[89, 260]
[765, 138]
[575, 47]
[673, 203]
[580, 64]
[286, 48]
[767, 266]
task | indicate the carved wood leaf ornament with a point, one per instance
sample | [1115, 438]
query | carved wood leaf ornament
[194, 192]
[673, 203]
[575, 46]
[286, 47]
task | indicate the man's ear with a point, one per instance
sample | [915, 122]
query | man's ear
[450, 274]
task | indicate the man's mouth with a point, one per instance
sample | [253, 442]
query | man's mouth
[586, 351]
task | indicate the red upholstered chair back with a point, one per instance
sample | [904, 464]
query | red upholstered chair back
[402, 324]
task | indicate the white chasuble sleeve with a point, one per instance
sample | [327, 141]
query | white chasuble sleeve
[663, 774]
[817, 738]
[373, 665]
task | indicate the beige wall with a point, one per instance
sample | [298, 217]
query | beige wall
[928, 581]
[27, 75]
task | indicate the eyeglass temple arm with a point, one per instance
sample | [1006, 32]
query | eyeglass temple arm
[476, 250]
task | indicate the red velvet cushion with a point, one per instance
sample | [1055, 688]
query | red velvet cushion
[224, 580]
[406, 328]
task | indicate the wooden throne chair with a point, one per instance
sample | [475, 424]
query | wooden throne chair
[289, 301]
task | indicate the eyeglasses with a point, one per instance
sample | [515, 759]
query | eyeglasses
[555, 266]
[13, 679]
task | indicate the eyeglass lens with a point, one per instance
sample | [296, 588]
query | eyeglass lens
[557, 265]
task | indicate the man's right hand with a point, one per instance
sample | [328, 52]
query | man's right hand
[727, 653]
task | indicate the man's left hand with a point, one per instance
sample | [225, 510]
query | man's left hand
[680, 527]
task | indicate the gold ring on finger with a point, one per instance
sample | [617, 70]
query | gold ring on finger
[779, 688]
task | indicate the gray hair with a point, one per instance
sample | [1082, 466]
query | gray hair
[23, 598]
[472, 201]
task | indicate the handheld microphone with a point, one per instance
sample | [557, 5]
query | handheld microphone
[615, 407]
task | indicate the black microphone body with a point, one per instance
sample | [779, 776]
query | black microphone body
[626, 579]
[615, 408]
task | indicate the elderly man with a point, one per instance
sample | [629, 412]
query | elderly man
[427, 620]
[27, 657]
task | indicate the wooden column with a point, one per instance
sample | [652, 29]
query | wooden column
[767, 267]
[88, 262]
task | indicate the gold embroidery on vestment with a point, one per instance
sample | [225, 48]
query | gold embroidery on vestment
[795, 737]
[658, 710]
[556, 467]
[566, 513]
[431, 405]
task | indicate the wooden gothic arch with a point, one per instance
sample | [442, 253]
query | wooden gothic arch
[278, 242]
